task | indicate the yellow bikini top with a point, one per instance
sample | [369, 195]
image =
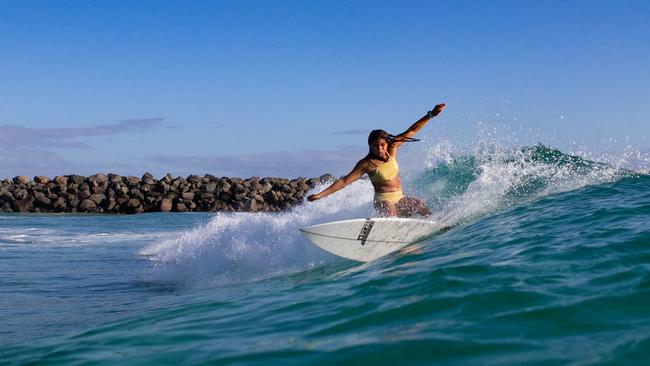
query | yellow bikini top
[385, 171]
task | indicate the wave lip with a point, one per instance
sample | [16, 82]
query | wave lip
[468, 187]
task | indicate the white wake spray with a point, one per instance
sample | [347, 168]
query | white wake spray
[246, 246]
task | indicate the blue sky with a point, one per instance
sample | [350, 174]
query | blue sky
[291, 88]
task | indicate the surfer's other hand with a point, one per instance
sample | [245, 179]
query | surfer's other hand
[312, 197]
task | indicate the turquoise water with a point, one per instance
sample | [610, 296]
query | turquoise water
[549, 264]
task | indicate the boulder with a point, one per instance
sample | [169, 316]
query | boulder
[98, 198]
[25, 205]
[206, 196]
[167, 178]
[136, 193]
[111, 204]
[148, 178]
[41, 179]
[155, 194]
[20, 194]
[98, 178]
[133, 181]
[123, 200]
[266, 187]
[36, 188]
[60, 205]
[194, 179]
[42, 199]
[6, 196]
[114, 178]
[210, 187]
[61, 180]
[162, 186]
[73, 201]
[180, 207]
[76, 179]
[326, 178]
[21, 179]
[58, 189]
[166, 205]
[250, 205]
[303, 186]
[238, 187]
[87, 205]
[84, 194]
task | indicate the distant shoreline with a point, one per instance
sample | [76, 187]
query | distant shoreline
[115, 194]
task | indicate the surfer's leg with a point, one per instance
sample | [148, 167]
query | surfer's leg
[409, 206]
[385, 209]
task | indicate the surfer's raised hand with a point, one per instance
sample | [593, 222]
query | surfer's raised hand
[437, 109]
[416, 126]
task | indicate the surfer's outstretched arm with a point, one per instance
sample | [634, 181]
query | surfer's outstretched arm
[355, 174]
[417, 126]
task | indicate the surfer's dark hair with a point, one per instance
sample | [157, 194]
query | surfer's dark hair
[381, 134]
[378, 134]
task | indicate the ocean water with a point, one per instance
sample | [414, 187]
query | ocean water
[549, 264]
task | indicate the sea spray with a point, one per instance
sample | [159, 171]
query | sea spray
[465, 188]
[235, 247]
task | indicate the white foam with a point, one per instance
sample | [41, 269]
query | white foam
[67, 237]
[244, 246]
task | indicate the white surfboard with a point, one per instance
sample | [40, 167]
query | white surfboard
[365, 240]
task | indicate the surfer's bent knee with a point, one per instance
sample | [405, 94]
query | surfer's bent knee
[409, 206]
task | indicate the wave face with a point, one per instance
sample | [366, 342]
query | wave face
[549, 264]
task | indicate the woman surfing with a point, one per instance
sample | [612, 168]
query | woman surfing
[381, 166]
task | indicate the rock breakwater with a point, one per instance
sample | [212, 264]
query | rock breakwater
[115, 194]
